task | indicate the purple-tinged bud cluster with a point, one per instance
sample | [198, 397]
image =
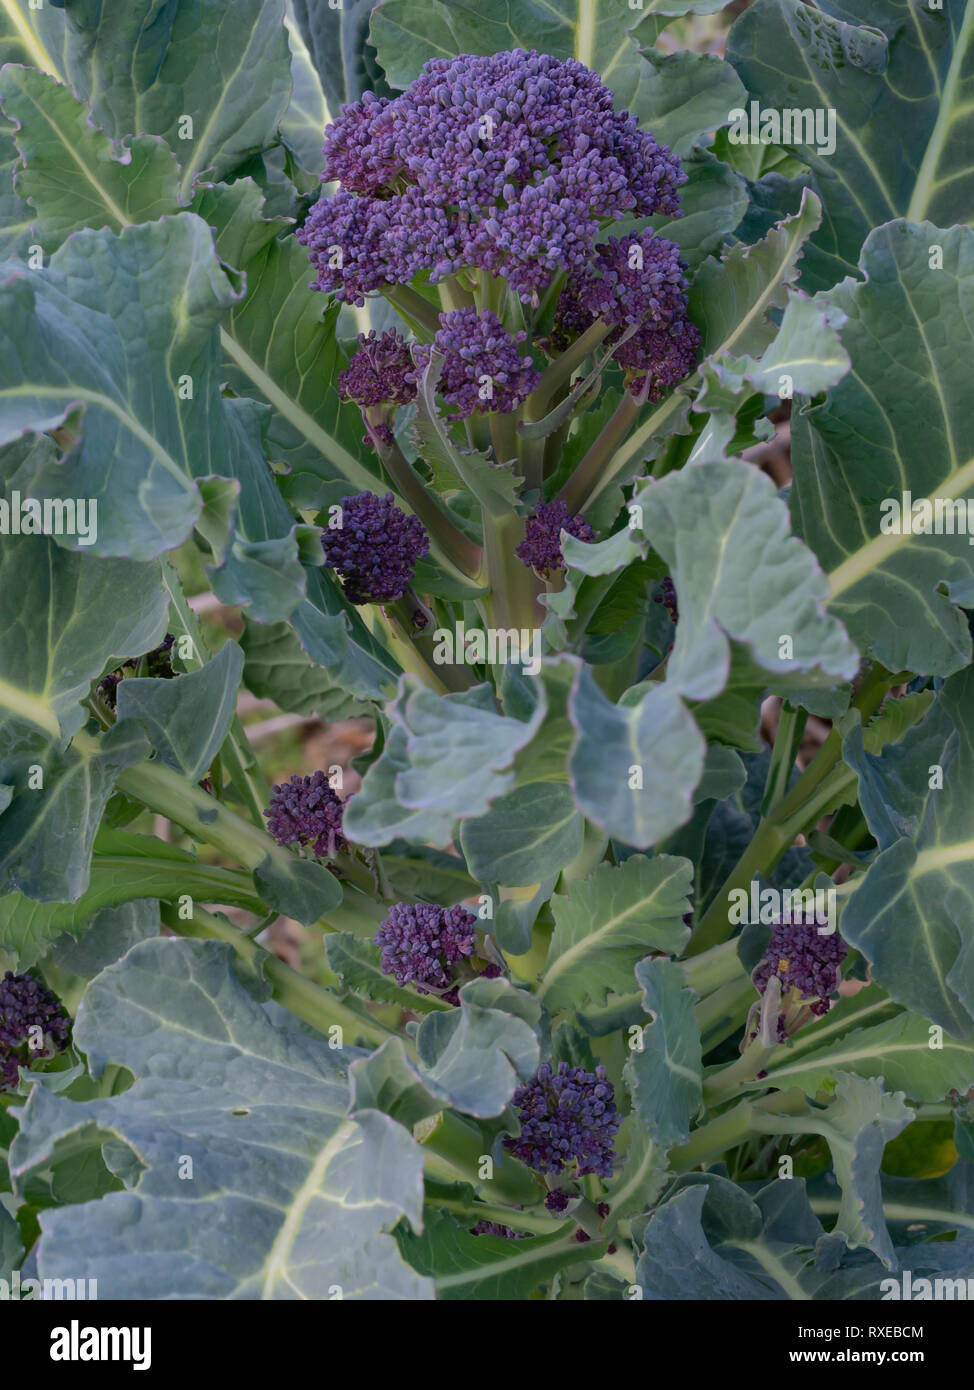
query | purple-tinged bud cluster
[541, 548]
[375, 549]
[158, 666]
[494, 1228]
[509, 162]
[482, 368]
[26, 1005]
[803, 959]
[307, 811]
[567, 1117]
[637, 280]
[666, 595]
[422, 942]
[557, 1200]
[379, 371]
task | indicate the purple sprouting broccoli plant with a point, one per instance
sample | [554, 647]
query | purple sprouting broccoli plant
[796, 977]
[569, 1121]
[307, 811]
[541, 548]
[422, 944]
[34, 1026]
[375, 548]
[509, 163]
[379, 378]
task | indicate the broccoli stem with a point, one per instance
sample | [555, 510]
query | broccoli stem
[807, 801]
[458, 555]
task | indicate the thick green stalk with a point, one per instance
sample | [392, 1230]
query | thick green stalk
[514, 589]
[559, 373]
[586, 482]
[796, 813]
[422, 316]
[460, 1148]
[237, 755]
[458, 555]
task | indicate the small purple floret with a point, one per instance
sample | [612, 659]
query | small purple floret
[421, 942]
[804, 960]
[483, 370]
[378, 371]
[307, 811]
[375, 549]
[541, 548]
[567, 1117]
[27, 1005]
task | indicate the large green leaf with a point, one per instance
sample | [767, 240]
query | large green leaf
[607, 923]
[905, 1052]
[526, 836]
[146, 68]
[81, 177]
[898, 423]
[407, 33]
[911, 914]
[664, 1073]
[465, 1266]
[93, 332]
[336, 37]
[901, 86]
[290, 1196]
[725, 536]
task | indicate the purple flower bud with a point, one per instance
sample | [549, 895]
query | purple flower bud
[541, 548]
[375, 549]
[307, 811]
[666, 595]
[26, 1006]
[806, 963]
[482, 368]
[568, 1117]
[421, 942]
[379, 371]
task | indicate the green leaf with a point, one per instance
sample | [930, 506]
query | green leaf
[664, 1074]
[494, 485]
[724, 534]
[276, 668]
[78, 615]
[487, 1267]
[47, 831]
[92, 330]
[11, 1245]
[146, 69]
[447, 758]
[472, 1057]
[406, 33]
[187, 718]
[642, 1174]
[303, 1192]
[898, 423]
[613, 919]
[686, 96]
[337, 41]
[713, 200]
[108, 935]
[527, 835]
[300, 888]
[857, 1125]
[73, 173]
[16, 215]
[901, 89]
[334, 637]
[910, 915]
[904, 1052]
[614, 785]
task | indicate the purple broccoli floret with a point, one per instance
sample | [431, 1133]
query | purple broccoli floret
[158, 666]
[541, 548]
[567, 1117]
[557, 1200]
[422, 942]
[634, 281]
[666, 595]
[482, 368]
[806, 965]
[307, 811]
[378, 371]
[375, 549]
[509, 162]
[29, 1015]
[494, 1228]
